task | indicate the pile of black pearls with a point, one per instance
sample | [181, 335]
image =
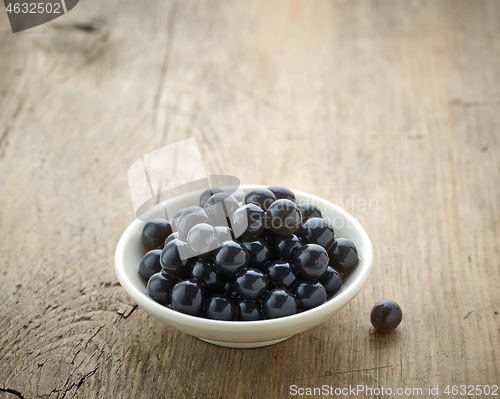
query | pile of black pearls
[245, 257]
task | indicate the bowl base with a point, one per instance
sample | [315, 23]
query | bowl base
[244, 344]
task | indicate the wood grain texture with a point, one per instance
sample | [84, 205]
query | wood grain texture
[391, 109]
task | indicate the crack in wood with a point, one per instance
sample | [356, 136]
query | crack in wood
[126, 315]
[81, 380]
[468, 314]
[13, 392]
[65, 389]
[93, 336]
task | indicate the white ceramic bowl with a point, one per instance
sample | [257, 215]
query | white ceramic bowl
[244, 334]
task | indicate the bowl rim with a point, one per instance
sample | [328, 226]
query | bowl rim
[338, 301]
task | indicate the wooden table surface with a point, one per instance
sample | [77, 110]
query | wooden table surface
[391, 109]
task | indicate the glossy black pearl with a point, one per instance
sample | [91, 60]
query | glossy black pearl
[280, 274]
[160, 287]
[251, 284]
[150, 264]
[188, 296]
[310, 261]
[283, 247]
[310, 294]
[231, 258]
[386, 316]
[203, 270]
[281, 192]
[258, 250]
[262, 197]
[206, 194]
[279, 302]
[202, 238]
[284, 217]
[309, 211]
[154, 233]
[189, 218]
[248, 221]
[248, 310]
[344, 256]
[172, 260]
[331, 280]
[317, 231]
[171, 237]
[220, 307]
[219, 207]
